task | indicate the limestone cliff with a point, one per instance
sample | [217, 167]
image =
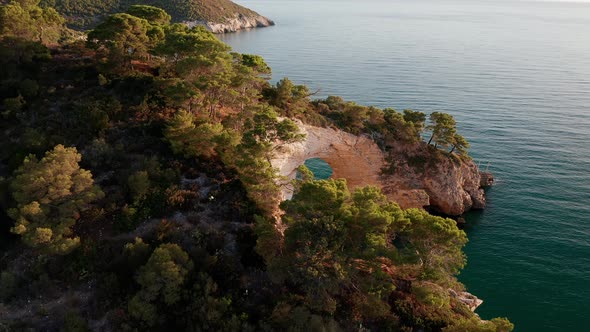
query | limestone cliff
[415, 176]
[238, 22]
[452, 185]
[356, 158]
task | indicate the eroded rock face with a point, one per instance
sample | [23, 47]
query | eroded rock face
[409, 198]
[356, 158]
[238, 22]
[452, 187]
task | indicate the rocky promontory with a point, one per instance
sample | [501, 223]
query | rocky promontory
[238, 22]
[453, 185]
[415, 175]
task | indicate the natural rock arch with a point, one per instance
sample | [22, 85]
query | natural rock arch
[355, 158]
[450, 187]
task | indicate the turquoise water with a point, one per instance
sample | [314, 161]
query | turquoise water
[516, 75]
[320, 169]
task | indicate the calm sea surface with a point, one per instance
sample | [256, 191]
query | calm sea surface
[516, 75]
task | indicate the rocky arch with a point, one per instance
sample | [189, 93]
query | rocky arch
[448, 186]
[355, 158]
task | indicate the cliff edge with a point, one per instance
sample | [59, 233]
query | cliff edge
[453, 184]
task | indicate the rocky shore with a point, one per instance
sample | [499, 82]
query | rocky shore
[236, 23]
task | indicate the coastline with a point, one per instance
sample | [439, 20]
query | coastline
[238, 22]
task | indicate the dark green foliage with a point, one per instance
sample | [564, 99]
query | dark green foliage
[13, 105]
[153, 15]
[387, 126]
[22, 51]
[298, 318]
[477, 325]
[123, 36]
[192, 10]
[256, 62]
[84, 13]
[352, 247]
[292, 99]
[209, 312]
[437, 244]
[197, 44]
[139, 185]
[263, 133]
[190, 140]
[460, 144]
[444, 133]
[443, 129]
[161, 281]
[25, 19]
[50, 195]
[265, 129]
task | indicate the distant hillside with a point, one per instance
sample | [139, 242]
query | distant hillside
[84, 14]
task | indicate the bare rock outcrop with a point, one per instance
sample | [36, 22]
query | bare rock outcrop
[470, 300]
[356, 158]
[417, 175]
[453, 185]
[238, 22]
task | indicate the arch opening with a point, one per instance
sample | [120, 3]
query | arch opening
[354, 158]
[320, 168]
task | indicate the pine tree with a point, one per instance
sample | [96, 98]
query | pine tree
[50, 195]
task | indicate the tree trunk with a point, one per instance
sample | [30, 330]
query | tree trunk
[430, 140]
[453, 149]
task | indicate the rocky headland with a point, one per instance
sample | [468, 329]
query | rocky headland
[236, 23]
[453, 185]
[218, 16]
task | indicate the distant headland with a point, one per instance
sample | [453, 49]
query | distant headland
[219, 16]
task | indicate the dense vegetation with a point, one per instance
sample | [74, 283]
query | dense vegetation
[137, 193]
[84, 13]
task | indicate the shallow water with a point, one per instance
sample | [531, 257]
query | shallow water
[516, 75]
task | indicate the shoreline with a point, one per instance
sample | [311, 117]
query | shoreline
[237, 23]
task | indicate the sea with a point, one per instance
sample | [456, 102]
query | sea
[516, 76]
